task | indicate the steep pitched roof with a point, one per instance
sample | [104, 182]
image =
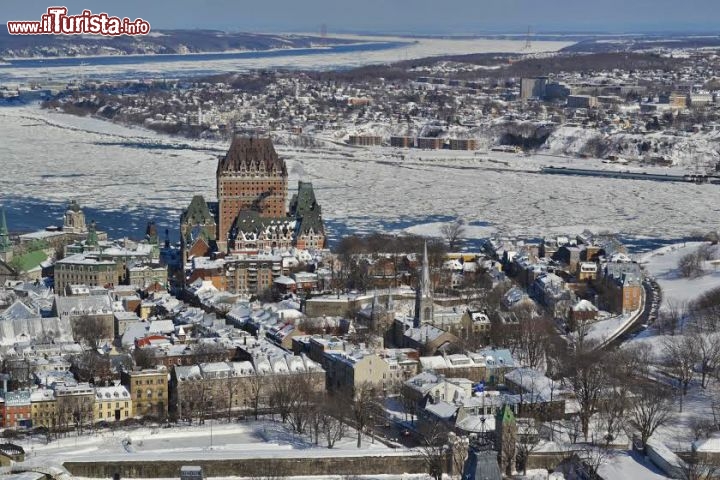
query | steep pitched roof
[311, 221]
[251, 221]
[304, 207]
[19, 310]
[197, 212]
[245, 152]
[304, 200]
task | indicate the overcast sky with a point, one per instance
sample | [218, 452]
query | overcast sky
[399, 16]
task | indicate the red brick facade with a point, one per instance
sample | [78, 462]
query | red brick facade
[250, 177]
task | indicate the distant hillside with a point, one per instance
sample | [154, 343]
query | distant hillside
[158, 42]
[643, 43]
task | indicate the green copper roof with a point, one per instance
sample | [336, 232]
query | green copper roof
[30, 260]
[251, 221]
[92, 237]
[506, 415]
[306, 210]
[5, 244]
[304, 200]
[197, 212]
[311, 221]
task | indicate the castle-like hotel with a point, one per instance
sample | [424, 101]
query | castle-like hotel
[251, 216]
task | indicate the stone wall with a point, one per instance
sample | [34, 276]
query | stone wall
[252, 467]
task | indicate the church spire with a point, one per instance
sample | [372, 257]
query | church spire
[425, 284]
[424, 307]
[4, 234]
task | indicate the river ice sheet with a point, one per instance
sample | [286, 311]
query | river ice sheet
[51, 157]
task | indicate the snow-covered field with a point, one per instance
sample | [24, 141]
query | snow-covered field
[412, 48]
[236, 440]
[663, 265]
[630, 466]
[697, 405]
[51, 157]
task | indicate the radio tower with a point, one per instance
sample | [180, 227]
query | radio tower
[528, 40]
[323, 34]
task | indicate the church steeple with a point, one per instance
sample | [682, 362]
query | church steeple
[425, 284]
[424, 307]
[5, 244]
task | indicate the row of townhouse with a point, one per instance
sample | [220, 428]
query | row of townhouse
[66, 404]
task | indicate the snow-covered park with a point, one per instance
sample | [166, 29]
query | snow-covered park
[213, 440]
[662, 264]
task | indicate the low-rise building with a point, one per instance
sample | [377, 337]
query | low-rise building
[95, 271]
[18, 411]
[142, 276]
[470, 366]
[43, 408]
[148, 391]
[75, 405]
[112, 404]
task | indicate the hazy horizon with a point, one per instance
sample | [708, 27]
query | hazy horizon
[420, 17]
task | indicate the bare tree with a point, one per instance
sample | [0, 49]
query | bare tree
[690, 265]
[90, 366]
[144, 357]
[530, 339]
[672, 317]
[331, 424]
[528, 440]
[593, 457]
[363, 406]
[696, 468]
[453, 233]
[587, 377]
[90, 331]
[613, 410]
[195, 401]
[232, 389]
[433, 448]
[256, 389]
[704, 334]
[301, 401]
[681, 356]
[207, 352]
[281, 396]
[650, 409]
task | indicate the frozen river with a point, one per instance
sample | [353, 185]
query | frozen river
[125, 177]
[368, 50]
